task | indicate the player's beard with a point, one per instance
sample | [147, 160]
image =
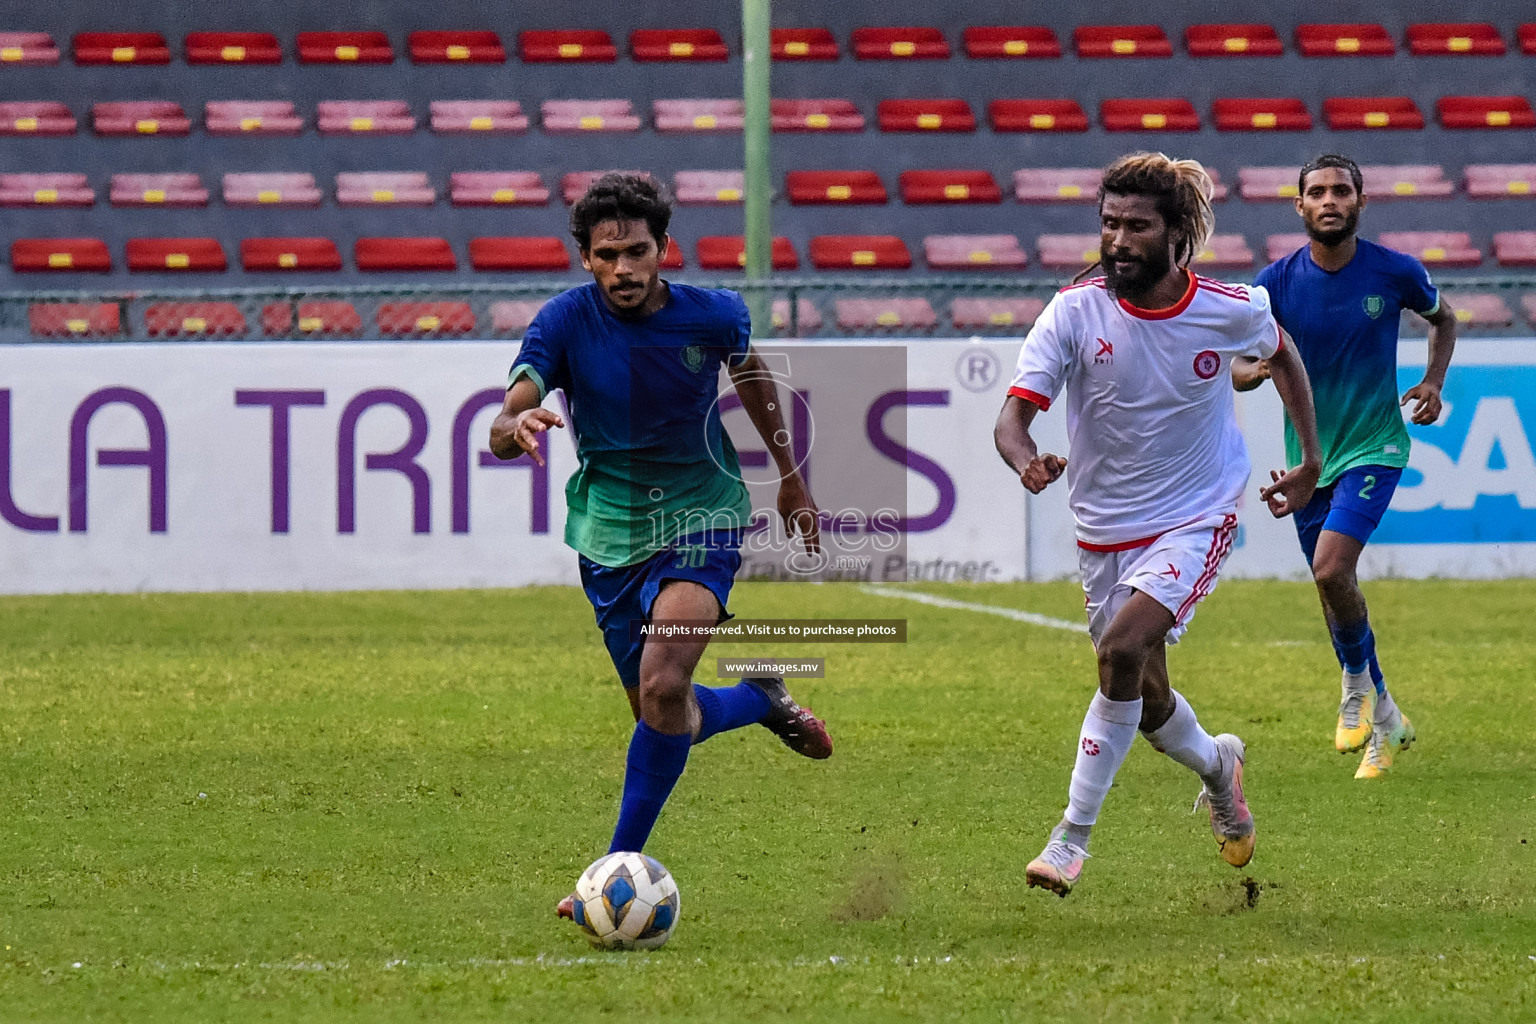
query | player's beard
[1336, 235]
[1145, 272]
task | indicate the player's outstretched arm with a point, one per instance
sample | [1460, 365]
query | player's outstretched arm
[517, 427]
[759, 393]
[1425, 395]
[1011, 436]
[1292, 490]
[1248, 373]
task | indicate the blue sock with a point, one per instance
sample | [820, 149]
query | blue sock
[652, 768]
[1375, 667]
[1354, 645]
[729, 707]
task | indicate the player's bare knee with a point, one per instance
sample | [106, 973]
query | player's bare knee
[1120, 663]
[1333, 576]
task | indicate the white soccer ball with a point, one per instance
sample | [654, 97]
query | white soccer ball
[627, 901]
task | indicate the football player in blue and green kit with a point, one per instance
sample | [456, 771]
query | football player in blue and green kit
[657, 509]
[1340, 297]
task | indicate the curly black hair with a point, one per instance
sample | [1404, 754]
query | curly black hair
[1343, 163]
[622, 196]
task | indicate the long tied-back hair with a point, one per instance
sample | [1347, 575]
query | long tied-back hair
[1182, 190]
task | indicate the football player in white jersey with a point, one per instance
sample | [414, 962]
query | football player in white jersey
[1157, 465]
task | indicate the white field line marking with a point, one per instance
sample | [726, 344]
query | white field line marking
[967, 606]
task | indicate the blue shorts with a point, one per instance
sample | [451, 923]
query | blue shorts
[624, 595]
[1352, 505]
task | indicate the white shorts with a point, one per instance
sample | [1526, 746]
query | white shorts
[1176, 570]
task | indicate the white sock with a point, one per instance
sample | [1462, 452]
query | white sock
[1386, 710]
[1185, 740]
[1109, 729]
[1357, 682]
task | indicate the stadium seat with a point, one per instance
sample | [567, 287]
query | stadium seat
[404, 254]
[424, 319]
[75, 319]
[969, 314]
[271, 189]
[1497, 181]
[251, 117]
[973, 252]
[1406, 181]
[803, 44]
[60, 254]
[233, 48]
[36, 117]
[672, 258]
[140, 117]
[1148, 115]
[545, 252]
[364, 117]
[201, 319]
[1277, 247]
[906, 43]
[1352, 112]
[1257, 184]
[1121, 41]
[861, 252]
[586, 46]
[885, 314]
[815, 116]
[1478, 39]
[497, 188]
[944, 115]
[1354, 40]
[1480, 309]
[157, 190]
[589, 116]
[709, 188]
[1515, 248]
[1057, 184]
[1526, 34]
[729, 252]
[357, 47]
[957, 186]
[1218, 187]
[189, 254]
[1037, 116]
[1250, 115]
[327, 318]
[821, 187]
[698, 115]
[45, 190]
[121, 48]
[512, 316]
[28, 48]
[456, 47]
[1485, 112]
[1232, 40]
[1225, 252]
[1528, 305]
[1435, 248]
[470, 117]
[808, 319]
[1067, 252]
[1011, 41]
[677, 44]
[574, 184]
[384, 188]
[289, 254]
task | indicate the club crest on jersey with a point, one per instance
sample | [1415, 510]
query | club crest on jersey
[1374, 304]
[1105, 356]
[1207, 364]
[693, 357]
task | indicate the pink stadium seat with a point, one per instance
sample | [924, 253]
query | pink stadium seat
[589, 116]
[1480, 309]
[941, 115]
[808, 319]
[803, 44]
[1148, 115]
[698, 115]
[1232, 40]
[729, 252]
[909, 43]
[75, 319]
[364, 117]
[271, 189]
[574, 184]
[384, 188]
[233, 48]
[1497, 181]
[420, 253]
[709, 188]
[61, 254]
[1225, 252]
[1435, 248]
[973, 252]
[157, 190]
[177, 254]
[45, 190]
[121, 48]
[1261, 115]
[1011, 41]
[28, 48]
[823, 187]
[1515, 248]
[860, 252]
[200, 319]
[252, 117]
[357, 47]
[1406, 181]
[815, 116]
[1277, 247]
[289, 254]
[497, 188]
[1067, 252]
[584, 46]
[512, 316]
[1121, 41]
[1528, 305]
[457, 47]
[1037, 116]
[885, 314]
[470, 117]
[1485, 112]
[1344, 113]
[424, 319]
[1478, 39]
[1354, 40]
[677, 44]
[949, 186]
[994, 313]
[1057, 184]
[1263, 183]
[36, 117]
[140, 117]
[545, 252]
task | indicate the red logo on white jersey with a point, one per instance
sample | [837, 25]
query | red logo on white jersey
[1105, 354]
[1090, 747]
[1207, 364]
[1172, 570]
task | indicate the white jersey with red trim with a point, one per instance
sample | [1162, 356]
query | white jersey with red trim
[1154, 441]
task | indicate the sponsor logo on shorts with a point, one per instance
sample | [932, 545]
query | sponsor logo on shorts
[1172, 570]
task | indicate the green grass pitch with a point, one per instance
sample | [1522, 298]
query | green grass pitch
[364, 807]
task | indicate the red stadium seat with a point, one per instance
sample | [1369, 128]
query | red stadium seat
[1527, 35]
[233, 48]
[289, 254]
[1121, 41]
[885, 314]
[945, 115]
[28, 48]
[822, 187]
[907, 43]
[860, 252]
[121, 48]
[36, 117]
[1057, 184]
[698, 115]
[1037, 116]
[1480, 309]
[1149, 115]
[1263, 183]
[60, 254]
[157, 190]
[45, 190]
[1485, 112]
[709, 188]
[1232, 40]
[1344, 113]
[512, 316]
[574, 184]
[1006, 41]
[815, 116]
[1067, 252]
[457, 47]
[803, 44]
[1406, 181]
[357, 47]
[1515, 248]
[328, 318]
[1453, 39]
[589, 116]
[973, 252]
[1497, 181]
[384, 188]
[364, 117]
[1225, 252]
[267, 189]
[994, 313]
[1251, 115]
[140, 117]
[545, 252]
[75, 319]
[956, 186]
[1436, 248]
[424, 319]
[672, 259]
[677, 44]
[189, 254]
[586, 46]
[807, 319]
[497, 188]
[1354, 40]
[204, 319]
[729, 252]
[426, 253]
[1277, 247]
[472, 117]
[251, 117]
